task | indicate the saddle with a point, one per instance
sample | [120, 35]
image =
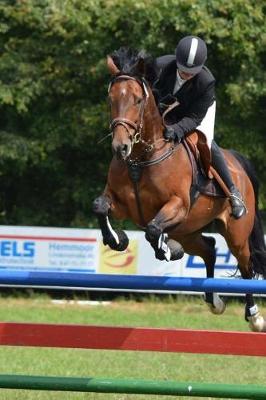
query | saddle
[205, 179]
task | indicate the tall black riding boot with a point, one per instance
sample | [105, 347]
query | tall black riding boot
[218, 162]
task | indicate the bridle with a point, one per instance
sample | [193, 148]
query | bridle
[127, 123]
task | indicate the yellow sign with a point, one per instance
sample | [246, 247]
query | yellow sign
[116, 262]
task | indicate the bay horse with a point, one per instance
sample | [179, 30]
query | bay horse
[150, 180]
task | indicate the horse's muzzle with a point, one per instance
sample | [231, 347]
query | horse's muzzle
[122, 150]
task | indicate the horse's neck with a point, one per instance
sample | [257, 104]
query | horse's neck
[153, 125]
[152, 132]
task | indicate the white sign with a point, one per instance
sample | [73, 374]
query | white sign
[55, 250]
[81, 250]
[47, 249]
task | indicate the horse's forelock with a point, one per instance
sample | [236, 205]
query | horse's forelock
[135, 63]
[124, 58]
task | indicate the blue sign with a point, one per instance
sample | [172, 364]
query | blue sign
[11, 248]
[224, 260]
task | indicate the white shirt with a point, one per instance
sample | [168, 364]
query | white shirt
[178, 83]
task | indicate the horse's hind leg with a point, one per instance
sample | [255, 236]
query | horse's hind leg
[115, 239]
[252, 314]
[204, 247]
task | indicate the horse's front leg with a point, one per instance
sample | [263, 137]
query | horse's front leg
[171, 214]
[115, 239]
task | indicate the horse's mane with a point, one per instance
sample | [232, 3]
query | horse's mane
[128, 62]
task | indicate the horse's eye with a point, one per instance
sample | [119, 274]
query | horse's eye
[138, 101]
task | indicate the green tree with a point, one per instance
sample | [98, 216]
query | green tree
[53, 87]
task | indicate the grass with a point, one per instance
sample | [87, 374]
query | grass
[183, 312]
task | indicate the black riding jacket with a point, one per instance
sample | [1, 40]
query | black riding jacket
[194, 97]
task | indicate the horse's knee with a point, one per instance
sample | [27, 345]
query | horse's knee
[101, 205]
[153, 232]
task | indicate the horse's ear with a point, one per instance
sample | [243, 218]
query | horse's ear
[111, 66]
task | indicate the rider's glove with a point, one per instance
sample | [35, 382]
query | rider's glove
[171, 134]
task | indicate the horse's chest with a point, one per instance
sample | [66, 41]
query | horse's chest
[148, 196]
[147, 192]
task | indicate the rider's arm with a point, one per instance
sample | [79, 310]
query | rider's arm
[194, 114]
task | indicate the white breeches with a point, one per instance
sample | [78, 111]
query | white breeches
[207, 124]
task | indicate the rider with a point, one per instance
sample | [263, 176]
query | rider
[188, 83]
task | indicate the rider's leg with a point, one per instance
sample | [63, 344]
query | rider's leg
[218, 162]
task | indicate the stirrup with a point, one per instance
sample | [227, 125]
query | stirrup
[238, 206]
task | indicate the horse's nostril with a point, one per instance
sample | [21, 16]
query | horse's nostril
[124, 150]
[121, 150]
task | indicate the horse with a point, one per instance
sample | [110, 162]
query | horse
[150, 182]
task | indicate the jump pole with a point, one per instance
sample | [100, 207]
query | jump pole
[132, 386]
[130, 282]
[106, 385]
[132, 339]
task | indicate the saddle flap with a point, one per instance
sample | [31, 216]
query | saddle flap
[202, 171]
[198, 145]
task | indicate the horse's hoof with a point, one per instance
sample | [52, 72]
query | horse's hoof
[257, 323]
[160, 255]
[176, 250]
[119, 243]
[217, 306]
[171, 251]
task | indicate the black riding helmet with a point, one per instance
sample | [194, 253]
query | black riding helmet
[191, 54]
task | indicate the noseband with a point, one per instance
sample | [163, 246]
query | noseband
[127, 123]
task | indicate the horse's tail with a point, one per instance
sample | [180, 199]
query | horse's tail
[256, 238]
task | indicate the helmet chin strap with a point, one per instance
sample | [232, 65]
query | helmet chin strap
[179, 76]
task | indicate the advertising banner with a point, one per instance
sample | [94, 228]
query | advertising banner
[55, 257]
[81, 250]
[48, 249]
